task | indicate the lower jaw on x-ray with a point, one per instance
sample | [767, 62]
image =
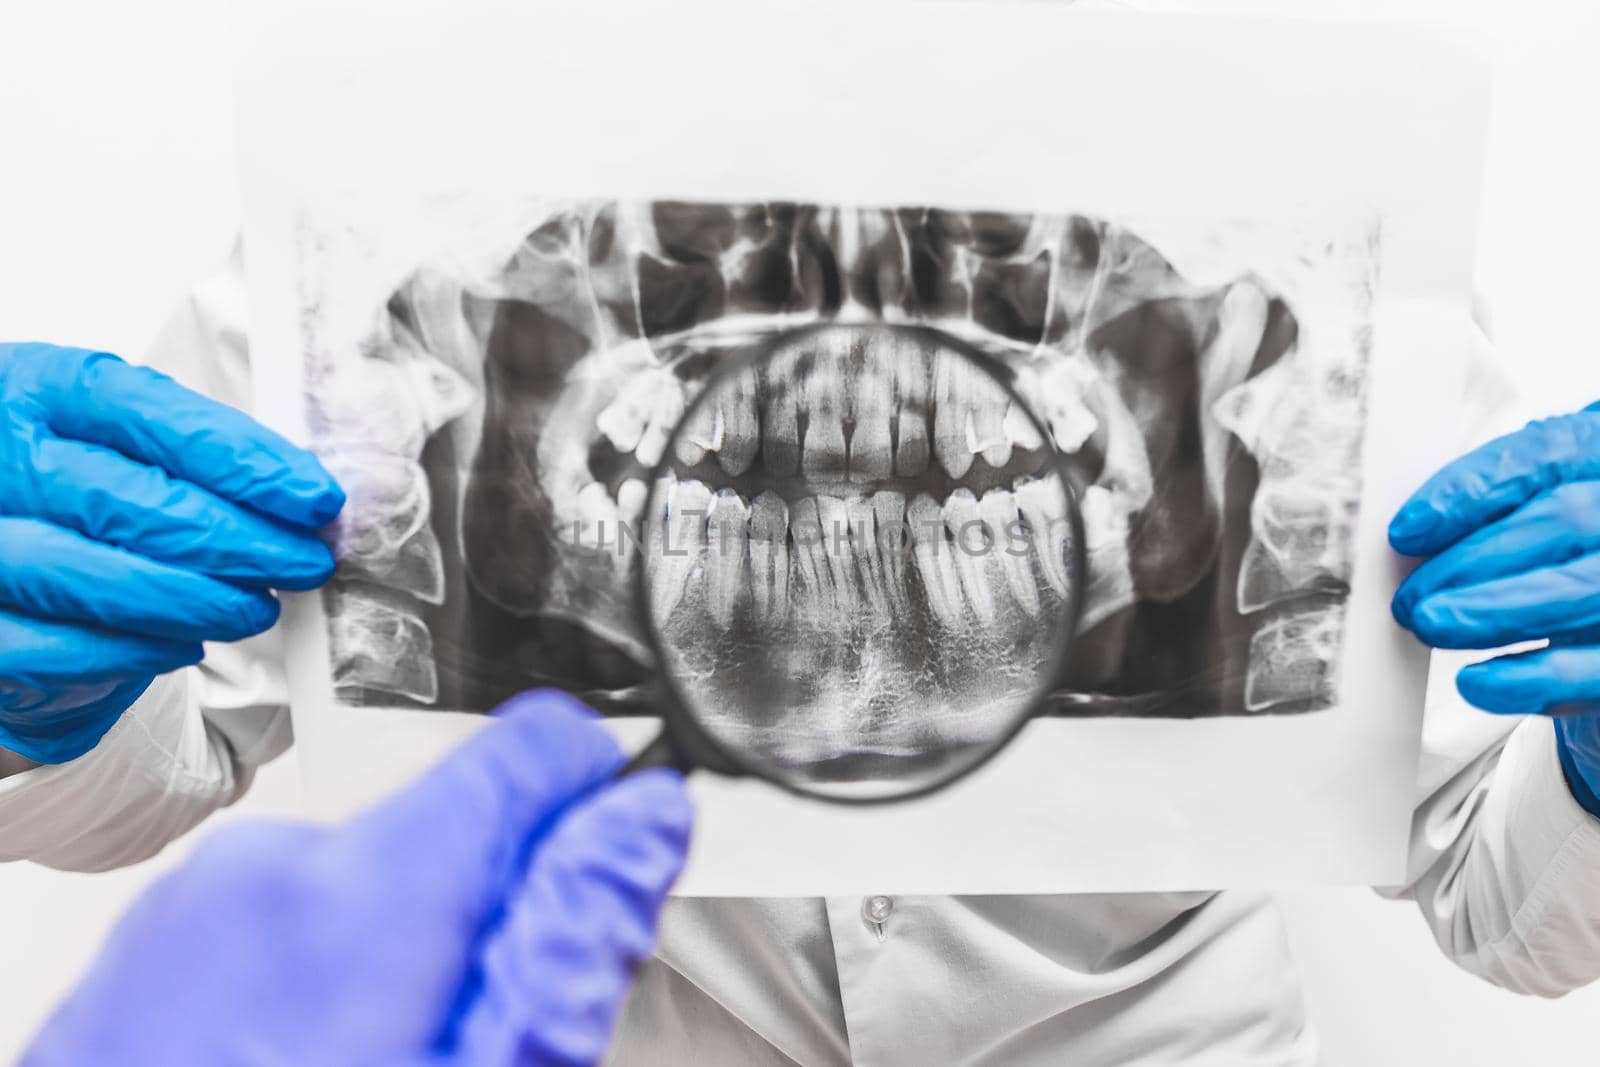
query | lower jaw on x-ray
[496, 528]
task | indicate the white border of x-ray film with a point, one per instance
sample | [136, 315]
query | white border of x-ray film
[1117, 115]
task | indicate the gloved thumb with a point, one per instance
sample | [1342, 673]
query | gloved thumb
[455, 837]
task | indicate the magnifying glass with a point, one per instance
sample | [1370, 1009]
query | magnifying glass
[862, 564]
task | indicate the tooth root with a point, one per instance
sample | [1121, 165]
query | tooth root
[1021, 431]
[951, 407]
[805, 524]
[741, 435]
[970, 547]
[701, 433]
[839, 549]
[869, 555]
[727, 534]
[780, 418]
[824, 453]
[891, 539]
[871, 449]
[665, 412]
[769, 557]
[1044, 511]
[934, 564]
[911, 414]
[683, 543]
[598, 518]
[999, 510]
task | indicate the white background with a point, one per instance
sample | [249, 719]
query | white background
[116, 192]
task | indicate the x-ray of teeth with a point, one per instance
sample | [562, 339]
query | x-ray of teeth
[500, 433]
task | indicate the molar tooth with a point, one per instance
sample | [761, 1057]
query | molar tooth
[891, 540]
[769, 557]
[911, 413]
[1062, 383]
[727, 531]
[933, 560]
[623, 421]
[631, 497]
[970, 546]
[805, 523]
[1044, 510]
[665, 412]
[986, 431]
[951, 442]
[871, 449]
[701, 433]
[824, 455]
[684, 545]
[598, 518]
[999, 510]
[1020, 430]
[780, 417]
[869, 555]
[741, 435]
[839, 549]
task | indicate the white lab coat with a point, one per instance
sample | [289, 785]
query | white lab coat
[1505, 869]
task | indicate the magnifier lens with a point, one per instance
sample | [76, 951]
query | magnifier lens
[860, 566]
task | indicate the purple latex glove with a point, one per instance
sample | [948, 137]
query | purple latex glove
[490, 915]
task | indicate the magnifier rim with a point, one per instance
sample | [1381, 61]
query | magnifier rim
[679, 724]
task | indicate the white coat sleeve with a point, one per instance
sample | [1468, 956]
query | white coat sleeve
[191, 743]
[1504, 863]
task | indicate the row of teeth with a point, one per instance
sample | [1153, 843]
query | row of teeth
[885, 421]
[974, 557]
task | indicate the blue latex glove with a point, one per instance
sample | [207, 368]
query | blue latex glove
[1513, 530]
[137, 519]
[491, 915]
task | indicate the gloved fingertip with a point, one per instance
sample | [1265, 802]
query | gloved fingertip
[326, 504]
[663, 794]
[531, 702]
[1485, 688]
[1411, 527]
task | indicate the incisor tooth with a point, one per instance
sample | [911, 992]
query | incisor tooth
[892, 541]
[970, 546]
[769, 557]
[809, 548]
[727, 531]
[869, 555]
[911, 411]
[950, 409]
[839, 548]
[871, 450]
[934, 565]
[824, 455]
[1044, 511]
[664, 415]
[780, 418]
[741, 435]
[999, 510]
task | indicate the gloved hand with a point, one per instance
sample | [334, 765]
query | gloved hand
[137, 519]
[491, 915]
[1513, 530]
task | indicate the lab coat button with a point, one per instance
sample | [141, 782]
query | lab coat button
[876, 909]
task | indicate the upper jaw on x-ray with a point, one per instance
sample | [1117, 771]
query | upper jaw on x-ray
[475, 555]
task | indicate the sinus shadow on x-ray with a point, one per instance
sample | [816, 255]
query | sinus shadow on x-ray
[497, 429]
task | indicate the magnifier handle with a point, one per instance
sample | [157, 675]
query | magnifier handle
[660, 752]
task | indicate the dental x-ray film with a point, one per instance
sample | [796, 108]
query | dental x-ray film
[493, 310]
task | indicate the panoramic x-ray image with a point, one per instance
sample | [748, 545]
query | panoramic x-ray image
[901, 444]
